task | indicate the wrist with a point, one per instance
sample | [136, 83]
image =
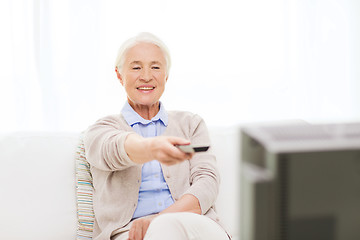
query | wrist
[137, 148]
[147, 148]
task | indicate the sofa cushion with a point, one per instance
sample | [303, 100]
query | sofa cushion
[37, 185]
[84, 194]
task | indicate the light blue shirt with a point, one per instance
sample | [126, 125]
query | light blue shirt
[154, 193]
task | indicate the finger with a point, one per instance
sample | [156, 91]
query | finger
[138, 232]
[181, 155]
[146, 225]
[170, 162]
[178, 141]
[132, 231]
[173, 156]
[144, 229]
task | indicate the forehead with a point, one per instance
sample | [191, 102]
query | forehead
[145, 52]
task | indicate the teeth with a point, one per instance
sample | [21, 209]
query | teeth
[145, 88]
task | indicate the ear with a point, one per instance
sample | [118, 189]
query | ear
[119, 76]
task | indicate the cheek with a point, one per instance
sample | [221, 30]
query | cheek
[129, 79]
[162, 77]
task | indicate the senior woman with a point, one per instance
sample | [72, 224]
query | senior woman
[145, 187]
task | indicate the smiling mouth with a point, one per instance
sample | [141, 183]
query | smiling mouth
[145, 88]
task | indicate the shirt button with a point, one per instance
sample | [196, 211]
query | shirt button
[160, 204]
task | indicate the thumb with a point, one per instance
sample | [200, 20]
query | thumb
[179, 141]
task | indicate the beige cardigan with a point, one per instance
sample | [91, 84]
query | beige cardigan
[117, 179]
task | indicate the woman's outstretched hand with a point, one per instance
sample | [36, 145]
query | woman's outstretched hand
[161, 148]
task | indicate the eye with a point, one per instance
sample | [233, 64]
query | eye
[136, 68]
[155, 67]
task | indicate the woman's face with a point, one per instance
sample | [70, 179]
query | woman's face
[143, 75]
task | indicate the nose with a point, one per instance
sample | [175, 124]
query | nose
[146, 75]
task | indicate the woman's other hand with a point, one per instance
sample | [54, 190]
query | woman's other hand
[162, 148]
[139, 227]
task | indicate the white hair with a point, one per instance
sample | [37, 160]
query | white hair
[143, 37]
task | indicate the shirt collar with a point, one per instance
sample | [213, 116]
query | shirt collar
[132, 117]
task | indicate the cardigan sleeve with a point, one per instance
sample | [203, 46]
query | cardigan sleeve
[104, 144]
[204, 176]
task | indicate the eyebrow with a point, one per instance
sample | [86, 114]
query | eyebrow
[135, 62]
[151, 63]
[156, 62]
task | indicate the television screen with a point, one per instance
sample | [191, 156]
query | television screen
[301, 182]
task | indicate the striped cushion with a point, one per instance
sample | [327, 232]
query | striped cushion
[84, 195]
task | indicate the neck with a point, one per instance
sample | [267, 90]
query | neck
[146, 111]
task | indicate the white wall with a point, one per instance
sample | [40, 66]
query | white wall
[233, 61]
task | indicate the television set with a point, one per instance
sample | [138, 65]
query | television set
[300, 182]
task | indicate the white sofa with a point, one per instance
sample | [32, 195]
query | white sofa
[37, 183]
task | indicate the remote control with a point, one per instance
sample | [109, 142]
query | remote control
[193, 148]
